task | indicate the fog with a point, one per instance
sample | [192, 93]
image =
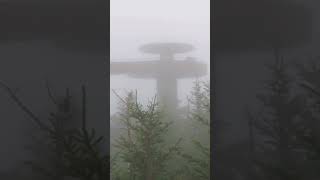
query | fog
[134, 24]
[64, 42]
[48, 41]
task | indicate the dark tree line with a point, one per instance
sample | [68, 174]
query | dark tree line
[65, 147]
[145, 150]
[284, 132]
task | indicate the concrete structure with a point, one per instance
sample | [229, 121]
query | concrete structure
[166, 71]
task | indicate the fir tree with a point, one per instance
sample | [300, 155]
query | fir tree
[199, 113]
[142, 145]
[73, 151]
[309, 136]
[277, 125]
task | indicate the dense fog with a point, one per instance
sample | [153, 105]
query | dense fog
[159, 48]
[143, 22]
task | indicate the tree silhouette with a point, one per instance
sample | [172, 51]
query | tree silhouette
[199, 161]
[73, 151]
[142, 145]
[309, 74]
[277, 125]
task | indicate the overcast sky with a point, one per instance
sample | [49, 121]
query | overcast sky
[134, 23]
[179, 10]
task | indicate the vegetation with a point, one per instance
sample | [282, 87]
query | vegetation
[143, 152]
[142, 147]
[286, 139]
[277, 125]
[66, 147]
[70, 151]
[199, 161]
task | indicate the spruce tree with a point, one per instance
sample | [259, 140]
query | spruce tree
[199, 113]
[143, 153]
[72, 151]
[309, 136]
[276, 125]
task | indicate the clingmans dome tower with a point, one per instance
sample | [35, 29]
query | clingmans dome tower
[166, 70]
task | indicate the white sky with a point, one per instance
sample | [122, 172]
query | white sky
[137, 22]
[179, 10]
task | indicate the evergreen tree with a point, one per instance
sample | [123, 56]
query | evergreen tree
[277, 125]
[199, 113]
[72, 151]
[309, 136]
[142, 150]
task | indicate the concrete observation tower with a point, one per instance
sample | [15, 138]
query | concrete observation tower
[166, 71]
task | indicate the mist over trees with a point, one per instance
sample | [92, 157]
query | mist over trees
[145, 150]
[283, 136]
[65, 147]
